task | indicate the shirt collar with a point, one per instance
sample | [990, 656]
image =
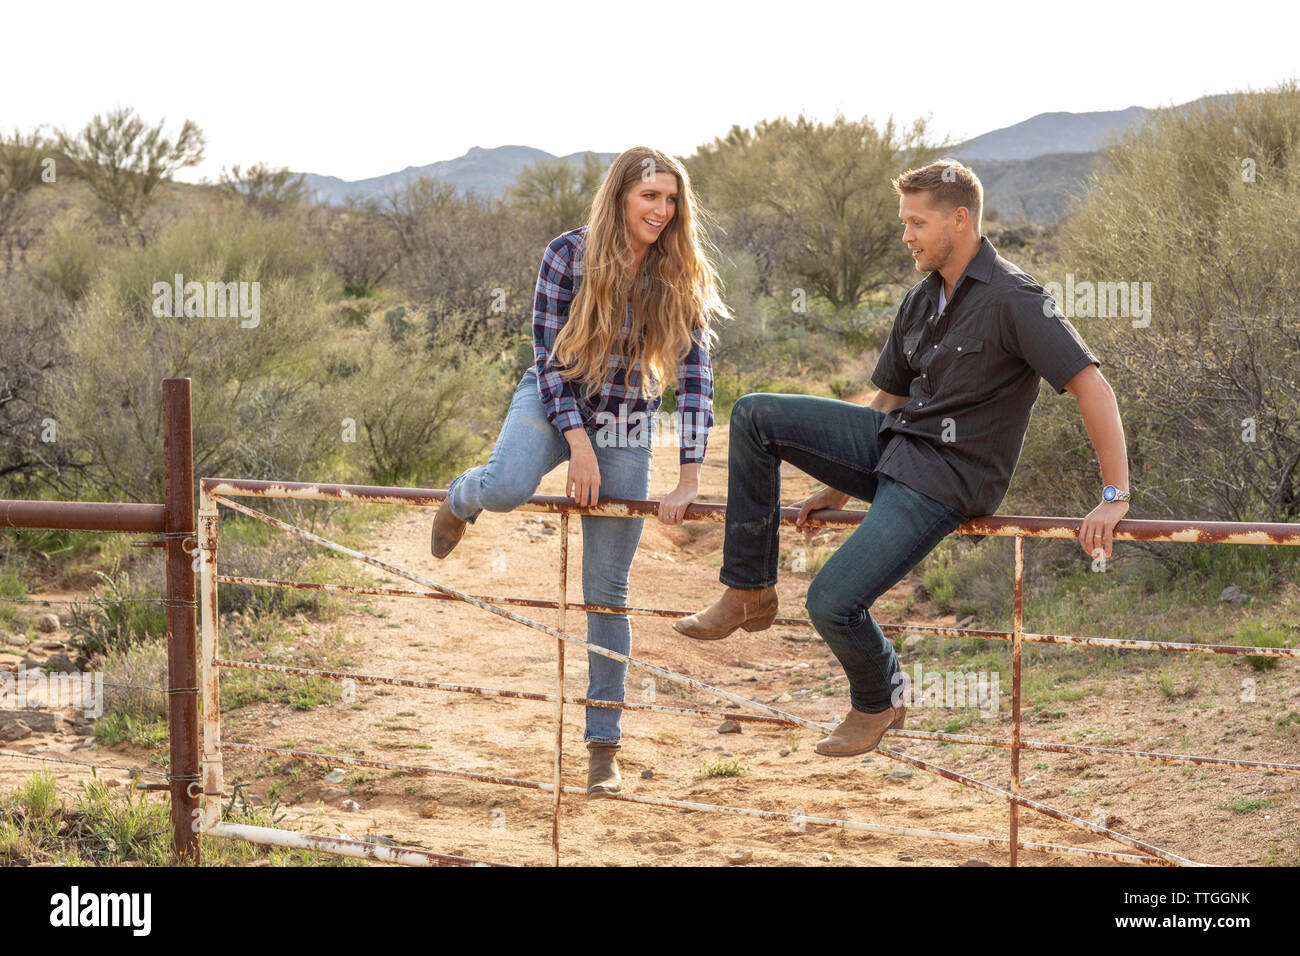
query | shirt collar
[980, 267]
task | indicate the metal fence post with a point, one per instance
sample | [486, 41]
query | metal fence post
[1017, 636]
[559, 686]
[209, 530]
[182, 661]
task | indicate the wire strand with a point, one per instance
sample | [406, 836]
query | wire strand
[81, 763]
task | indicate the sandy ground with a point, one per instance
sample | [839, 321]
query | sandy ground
[1180, 809]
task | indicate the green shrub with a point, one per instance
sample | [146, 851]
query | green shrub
[120, 616]
[1261, 634]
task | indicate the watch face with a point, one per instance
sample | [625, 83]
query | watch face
[1108, 493]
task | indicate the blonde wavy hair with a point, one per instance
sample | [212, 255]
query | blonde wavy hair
[681, 297]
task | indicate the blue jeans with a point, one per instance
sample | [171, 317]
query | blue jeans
[528, 447]
[834, 442]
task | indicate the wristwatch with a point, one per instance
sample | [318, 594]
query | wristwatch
[1111, 493]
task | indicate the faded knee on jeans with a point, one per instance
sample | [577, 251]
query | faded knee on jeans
[499, 493]
[600, 587]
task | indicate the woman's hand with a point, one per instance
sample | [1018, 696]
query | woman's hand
[826, 498]
[673, 505]
[583, 483]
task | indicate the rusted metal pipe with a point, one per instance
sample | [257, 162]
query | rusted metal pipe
[1018, 632]
[1194, 760]
[182, 659]
[1007, 526]
[360, 849]
[1027, 637]
[1016, 530]
[83, 515]
[559, 688]
[1042, 808]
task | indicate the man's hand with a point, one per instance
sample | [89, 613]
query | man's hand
[1099, 527]
[826, 498]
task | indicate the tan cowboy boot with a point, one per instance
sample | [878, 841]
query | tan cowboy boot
[860, 733]
[447, 531]
[752, 610]
[602, 769]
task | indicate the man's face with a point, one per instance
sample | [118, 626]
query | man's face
[927, 230]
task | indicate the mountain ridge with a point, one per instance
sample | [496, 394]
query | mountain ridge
[1030, 170]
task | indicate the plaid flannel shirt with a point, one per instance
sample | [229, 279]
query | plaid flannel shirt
[619, 398]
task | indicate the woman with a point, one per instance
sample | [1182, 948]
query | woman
[623, 304]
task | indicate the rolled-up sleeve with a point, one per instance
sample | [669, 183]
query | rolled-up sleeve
[550, 312]
[694, 400]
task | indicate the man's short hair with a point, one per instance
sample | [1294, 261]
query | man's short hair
[949, 183]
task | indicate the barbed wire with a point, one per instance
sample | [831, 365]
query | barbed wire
[133, 771]
[107, 683]
[94, 601]
[149, 534]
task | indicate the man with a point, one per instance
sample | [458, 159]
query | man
[935, 447]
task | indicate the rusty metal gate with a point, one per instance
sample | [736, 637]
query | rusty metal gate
[222, 491]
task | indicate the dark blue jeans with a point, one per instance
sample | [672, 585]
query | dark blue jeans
[834, 442]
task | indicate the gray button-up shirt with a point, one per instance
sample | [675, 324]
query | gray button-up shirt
[972, 376]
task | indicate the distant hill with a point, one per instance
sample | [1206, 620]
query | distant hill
[1051, 133]
[1033, 169]
[484, 171]
[1029, 170]
[1038, 189]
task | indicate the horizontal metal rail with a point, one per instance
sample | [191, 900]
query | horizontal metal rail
[934, 630]
[1007, 526]
[929, 735]
[360, 849]
[83, 515]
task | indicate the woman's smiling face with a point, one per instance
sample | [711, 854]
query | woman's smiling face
[649, 206]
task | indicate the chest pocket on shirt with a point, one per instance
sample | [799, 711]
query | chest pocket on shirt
[910, 343]
[959, 362]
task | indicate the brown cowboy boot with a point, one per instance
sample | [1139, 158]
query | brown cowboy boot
[447, 531]
[602, 769]
[860, 733]
[752, 610]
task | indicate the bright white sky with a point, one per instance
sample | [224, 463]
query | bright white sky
[361, 89]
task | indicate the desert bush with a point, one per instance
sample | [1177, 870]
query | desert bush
[469, 263]
[124, 161]
[31, 454]
[360, 245]
[437, 398]
[812, 202]
[262, 398]
[1199, 203]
